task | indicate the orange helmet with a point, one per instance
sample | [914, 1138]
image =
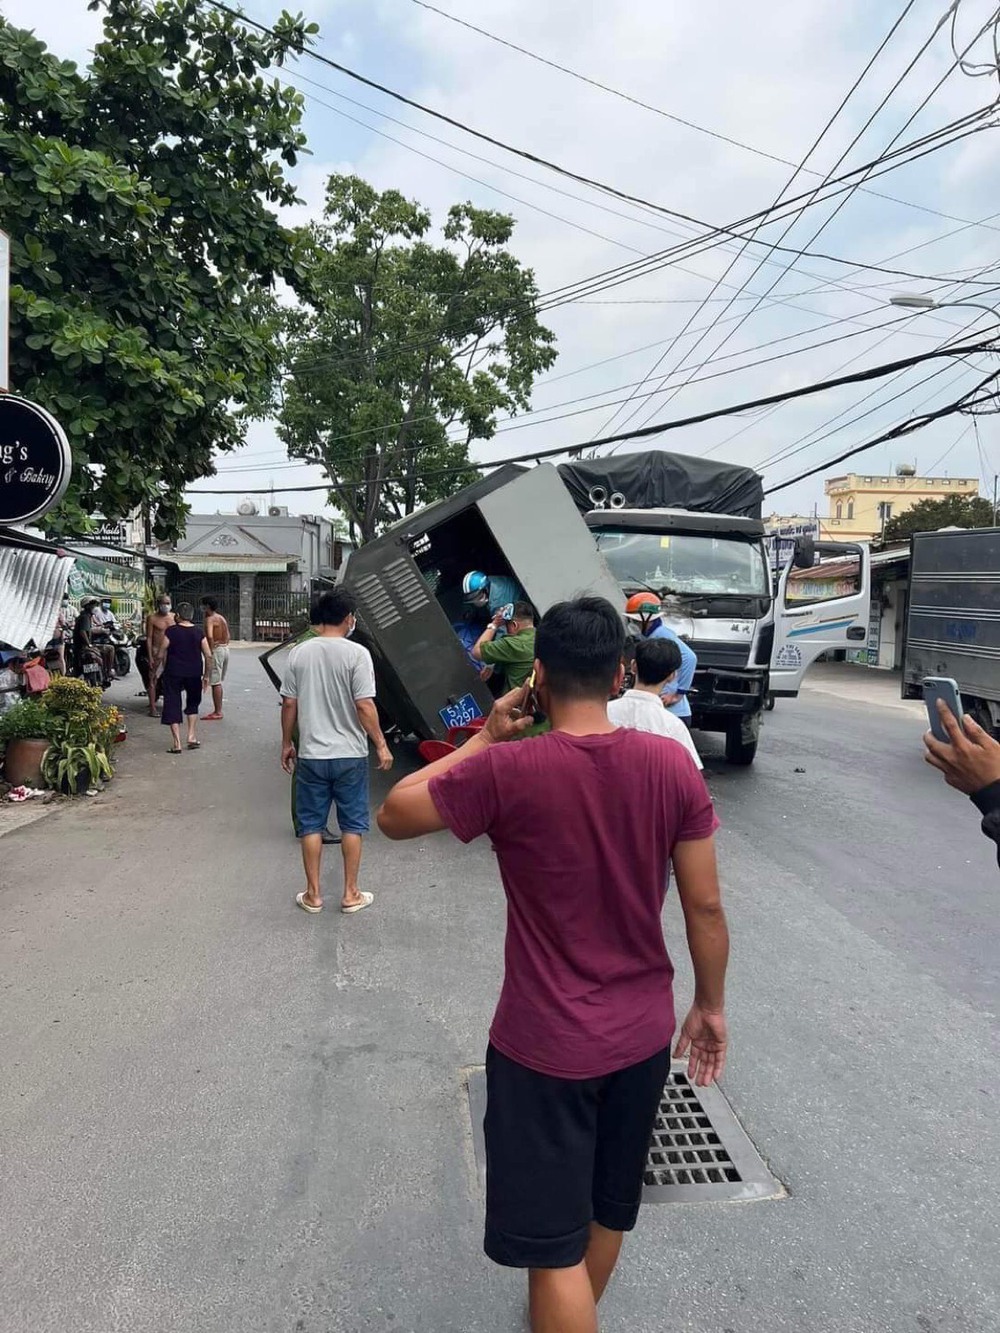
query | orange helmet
[643, 604]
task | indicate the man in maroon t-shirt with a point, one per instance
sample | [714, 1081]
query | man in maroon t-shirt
[585, 822]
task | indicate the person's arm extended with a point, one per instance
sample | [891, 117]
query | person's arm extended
[487, 636]
[206, 653]
[703, 1033]
[368, 717]
[209, 627]
[149, 636]
[289, 717]
[408, 811]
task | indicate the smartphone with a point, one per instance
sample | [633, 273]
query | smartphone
[941, 687]
[531, 702]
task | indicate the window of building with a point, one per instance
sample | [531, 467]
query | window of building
[839, 508]
[850, 509]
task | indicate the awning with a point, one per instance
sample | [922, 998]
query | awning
[200, 564]
[32, 583]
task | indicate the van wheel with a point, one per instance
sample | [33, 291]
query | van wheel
[739, 752]
[979, 711]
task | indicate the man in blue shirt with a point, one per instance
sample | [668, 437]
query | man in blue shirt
[494, 591]
[678, 688]
[648, 613]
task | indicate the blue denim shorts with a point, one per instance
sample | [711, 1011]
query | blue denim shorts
[322, 783]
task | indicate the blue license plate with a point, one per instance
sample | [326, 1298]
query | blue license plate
[462, 713]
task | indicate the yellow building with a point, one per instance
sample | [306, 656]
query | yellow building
[860, 506]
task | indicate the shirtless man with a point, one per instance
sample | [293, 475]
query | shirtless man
[157, 623]
[216, 628]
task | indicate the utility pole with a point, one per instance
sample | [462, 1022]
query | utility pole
[994, 499]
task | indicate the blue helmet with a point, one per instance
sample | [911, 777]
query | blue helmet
[475, 583]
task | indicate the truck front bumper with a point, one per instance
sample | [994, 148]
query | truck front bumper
[719, 696]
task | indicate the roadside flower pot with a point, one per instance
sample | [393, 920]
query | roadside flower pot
[23, 759]
[63, 739]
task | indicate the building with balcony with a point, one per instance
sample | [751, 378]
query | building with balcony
[861, 505]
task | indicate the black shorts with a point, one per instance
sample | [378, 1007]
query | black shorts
[561, 1153]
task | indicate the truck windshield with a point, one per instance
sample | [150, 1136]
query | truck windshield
[685, 563]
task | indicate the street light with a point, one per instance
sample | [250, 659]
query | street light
[918, 302]
[928, 303]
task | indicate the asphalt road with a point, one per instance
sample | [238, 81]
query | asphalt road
[219, 1114]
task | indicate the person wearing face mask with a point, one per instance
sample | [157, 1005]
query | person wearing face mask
[328, 696]
[103, 620]
[157, 624]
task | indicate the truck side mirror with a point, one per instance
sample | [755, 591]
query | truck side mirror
[804, 553]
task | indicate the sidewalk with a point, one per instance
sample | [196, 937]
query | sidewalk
[860, 685]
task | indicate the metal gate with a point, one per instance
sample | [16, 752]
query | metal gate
[225, 588]
[277, 611]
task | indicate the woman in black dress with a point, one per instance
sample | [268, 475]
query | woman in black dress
[187, 662]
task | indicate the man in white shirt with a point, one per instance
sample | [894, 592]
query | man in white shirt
[328, 694]
[657, 662]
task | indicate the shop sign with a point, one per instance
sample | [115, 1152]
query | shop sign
[35, 460]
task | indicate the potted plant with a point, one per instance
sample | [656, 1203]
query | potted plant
[26, 730]
[83, 732]
[74, 768]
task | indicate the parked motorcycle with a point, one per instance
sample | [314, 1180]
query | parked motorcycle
[90, 667]
[122, 641]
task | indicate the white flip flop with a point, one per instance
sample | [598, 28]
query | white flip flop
[300, 899]
[366, 901]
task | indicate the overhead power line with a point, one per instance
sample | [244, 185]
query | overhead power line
[845, 197]
[965, 403]
[644, 432]
[536, 418]
[831, 120]
[678, 120]
[856, 265]
[524, 153]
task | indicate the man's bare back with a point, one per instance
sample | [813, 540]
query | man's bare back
[217, 630]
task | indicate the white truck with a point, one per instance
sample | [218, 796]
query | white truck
[689, 531]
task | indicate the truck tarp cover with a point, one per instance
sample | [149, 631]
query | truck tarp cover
[657, 480]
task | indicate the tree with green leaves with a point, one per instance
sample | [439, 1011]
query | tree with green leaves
[955, 511]
[403, 352]
[139, 197]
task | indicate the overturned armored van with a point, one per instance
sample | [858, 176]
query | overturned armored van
[520, 523]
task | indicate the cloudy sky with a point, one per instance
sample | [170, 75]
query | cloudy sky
[767, 77]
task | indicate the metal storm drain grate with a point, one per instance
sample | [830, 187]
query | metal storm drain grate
[699, 1152]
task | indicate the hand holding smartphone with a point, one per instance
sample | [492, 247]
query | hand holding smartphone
[945, 689]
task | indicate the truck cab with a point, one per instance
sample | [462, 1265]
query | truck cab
[754, 631]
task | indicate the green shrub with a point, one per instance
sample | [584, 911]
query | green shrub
[81, 730]
[28, 720]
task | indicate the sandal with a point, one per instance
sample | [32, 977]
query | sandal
[194, 745]
[173, 752]
[300, 899]
[366, 901]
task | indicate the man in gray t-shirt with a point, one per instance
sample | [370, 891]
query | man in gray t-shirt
[329, 693]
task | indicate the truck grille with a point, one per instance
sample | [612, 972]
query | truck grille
[722, 654]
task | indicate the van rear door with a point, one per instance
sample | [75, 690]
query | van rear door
[546, 542]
